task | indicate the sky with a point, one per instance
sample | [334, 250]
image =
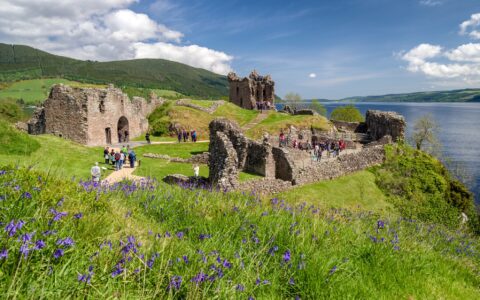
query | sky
[317, 48]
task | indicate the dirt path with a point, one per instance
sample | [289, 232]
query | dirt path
[259, 118]
[125, 173]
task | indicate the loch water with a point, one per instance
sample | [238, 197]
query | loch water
[459, 131]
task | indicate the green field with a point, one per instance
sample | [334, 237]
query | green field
[34, 91]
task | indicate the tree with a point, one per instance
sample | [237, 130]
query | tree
[318, 107]
[347, 113]
[293, 97]
[425, 134]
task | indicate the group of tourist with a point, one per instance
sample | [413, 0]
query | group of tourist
[185, 135]
[331, 147]
[119, 158]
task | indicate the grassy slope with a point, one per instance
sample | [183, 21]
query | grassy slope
[23, 62]
[357, 190]
[36, 90]
[59, 157]
[275, 122]
[333, 253]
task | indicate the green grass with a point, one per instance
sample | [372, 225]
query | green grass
[333, 253]
[182, 150]
[36, 90]
[202, 103]
[58, 157]
[159, 168]
[156, 138]
[357, 190]
[15, 142]
[275, 122]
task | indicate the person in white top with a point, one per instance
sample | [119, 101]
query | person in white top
[196, 170]
[96, 173]
[122, 159]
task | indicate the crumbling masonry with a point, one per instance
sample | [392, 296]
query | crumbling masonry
[248, 91]
[92, 116]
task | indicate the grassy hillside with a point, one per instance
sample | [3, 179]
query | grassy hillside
[19, 62]
[465, 95]
[154, 241]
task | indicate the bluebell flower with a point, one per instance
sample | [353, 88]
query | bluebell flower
[199, 278]
[27, 237]
[185, 259]
[291, 281]
[175, 282]
[58, 253]
[332, 270]
[180, 234]
[40, 244]
[67, 242]
[117, 271]
[240, 287]
[78, 215]
[27, 195]
[380, 224]
[4, 254]
[287, 256]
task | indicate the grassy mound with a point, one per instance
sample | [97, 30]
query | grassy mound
[11, 111]
[157, 241]
[275, 122]
[420, 186]
[15, 142]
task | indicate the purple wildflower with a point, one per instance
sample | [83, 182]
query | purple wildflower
[24, 250]
[27, 237]
[57, 215]
[227, 264]
[117, 271]
[380, 224]
[4, 254]
[49, 232]
[199, 278]
[332, 270]
[58, 253]
[78, 215]
[40, 244]
[291, 281]
[240, 287]
[287, 256]
[180, 234]
[67, 242]
[185, 259]
[60, 202]
[12, 228]
[84, 278]
[175, 282]
[27, 195]
[204, 236]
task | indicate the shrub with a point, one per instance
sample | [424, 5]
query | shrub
[347, 113]
[10, 111]
[159, 120]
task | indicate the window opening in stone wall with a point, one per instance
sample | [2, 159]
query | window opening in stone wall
[238, 90]
[108, 135]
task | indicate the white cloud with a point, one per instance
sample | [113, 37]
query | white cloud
[462, 63]
[431, 2]
[192, 55]
[470, 26]
[312, 75]
[99, 30]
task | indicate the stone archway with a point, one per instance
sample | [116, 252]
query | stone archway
[122, 130]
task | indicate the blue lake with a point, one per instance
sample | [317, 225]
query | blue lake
[459, 130]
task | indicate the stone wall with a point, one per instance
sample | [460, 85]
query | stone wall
[246, 92]
[93, 116]
[382, 123]
[260, 159]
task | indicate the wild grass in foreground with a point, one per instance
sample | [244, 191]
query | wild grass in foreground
[62, 239]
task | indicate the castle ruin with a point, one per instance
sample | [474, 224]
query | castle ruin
[92, 116]
[249, 92]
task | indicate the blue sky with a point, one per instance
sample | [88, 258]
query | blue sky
[353, 47]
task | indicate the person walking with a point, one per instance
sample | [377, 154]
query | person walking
[112, 157]
[122, 159]
[132, 157]
[179, 136]
[147, 138]
[118, 156]
[194, 136]
[96, 173]
[106, 155]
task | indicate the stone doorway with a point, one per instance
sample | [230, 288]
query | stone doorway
[122, 130]
[108, 135]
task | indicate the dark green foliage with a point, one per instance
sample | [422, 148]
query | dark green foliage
[159, 120]
[15, 142]
[421, 187]
[347, 113]
[23, 62]
[10, 111]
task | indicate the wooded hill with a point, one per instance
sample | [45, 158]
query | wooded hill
[465, 95]
[19, 62]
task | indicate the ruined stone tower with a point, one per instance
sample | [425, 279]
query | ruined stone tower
[92, 116]
[248, 91]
